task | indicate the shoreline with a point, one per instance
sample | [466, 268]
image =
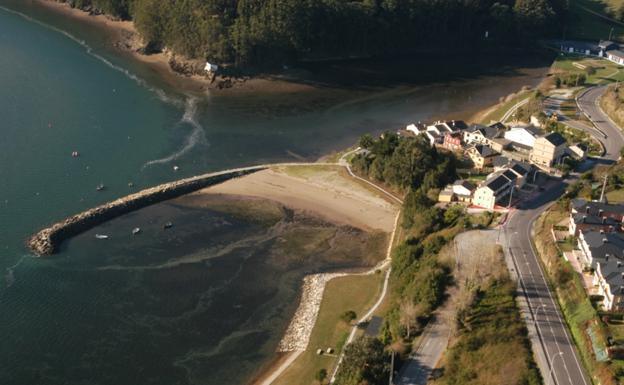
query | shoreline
[123, 38]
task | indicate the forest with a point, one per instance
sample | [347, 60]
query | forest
[278, 32]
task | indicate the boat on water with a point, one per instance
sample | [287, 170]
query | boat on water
[168, 225]
[101, 236]
[136, 230]
[100, 187]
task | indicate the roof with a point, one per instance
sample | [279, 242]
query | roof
[596, 208]
[483, 150]
[510, 175]
[496, 183]
[498, 126]
[617, 53]
[555, 139]
[521, 168]
[441, 127]
[416, 126]
[589, 219]
[500, 161]
[457, 124]
[474, 127]
[612, 270]
[602, 245]
[465, 184]
[606, 43]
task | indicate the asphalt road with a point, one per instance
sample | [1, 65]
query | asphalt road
[612, 137]
[562, 366]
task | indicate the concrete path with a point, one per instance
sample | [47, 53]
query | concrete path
[432, 345]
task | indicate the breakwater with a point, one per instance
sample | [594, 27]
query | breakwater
[48, 240]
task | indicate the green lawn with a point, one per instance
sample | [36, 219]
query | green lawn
[357, 293]
[606, 71]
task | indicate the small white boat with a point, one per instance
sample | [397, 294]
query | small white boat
[136, 230]
[100, 187]
[167, 225]
[176, 168]
[101, 236]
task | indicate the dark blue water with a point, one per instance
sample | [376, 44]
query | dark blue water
[98, 313]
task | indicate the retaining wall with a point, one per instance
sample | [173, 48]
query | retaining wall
[48, 240]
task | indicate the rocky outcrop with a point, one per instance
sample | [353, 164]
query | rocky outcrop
[47, 241]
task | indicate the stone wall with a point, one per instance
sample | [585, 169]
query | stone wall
[48, 240]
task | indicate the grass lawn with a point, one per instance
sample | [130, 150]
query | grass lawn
[357, 293]
[616, 196]
[500, 110]
[606, 71]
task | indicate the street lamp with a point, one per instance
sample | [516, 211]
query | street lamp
[552, 360]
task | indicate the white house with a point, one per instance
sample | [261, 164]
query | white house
[523, 135]
[417, 128]
[211, 67]
[492, 190]
[616, 56]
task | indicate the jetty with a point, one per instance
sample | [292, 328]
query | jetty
[48, 240]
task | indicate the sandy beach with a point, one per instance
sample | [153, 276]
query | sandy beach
[328, 194]
[125, 38]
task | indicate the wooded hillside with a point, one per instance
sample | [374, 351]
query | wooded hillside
[260, 32]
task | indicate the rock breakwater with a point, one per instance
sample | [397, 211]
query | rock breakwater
[47, 241]
[298, 333]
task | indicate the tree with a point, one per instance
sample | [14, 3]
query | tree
[321, 375]
[365, 362]
[348, 316]
[367, 141]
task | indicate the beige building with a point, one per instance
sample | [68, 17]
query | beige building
[481, 155]
[548, 150]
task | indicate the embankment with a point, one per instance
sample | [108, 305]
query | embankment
[48, 240]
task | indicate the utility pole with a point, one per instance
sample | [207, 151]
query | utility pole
[511, 195]
[604, 185]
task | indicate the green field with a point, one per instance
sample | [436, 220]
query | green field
[357, 293]
[606, 71]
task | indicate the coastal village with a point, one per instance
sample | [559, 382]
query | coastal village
[509, 157]
[447, 253]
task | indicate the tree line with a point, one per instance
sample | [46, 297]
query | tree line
[272, 32]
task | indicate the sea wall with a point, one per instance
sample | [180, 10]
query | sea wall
[48, 240]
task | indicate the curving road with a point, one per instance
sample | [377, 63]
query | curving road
[611, 136]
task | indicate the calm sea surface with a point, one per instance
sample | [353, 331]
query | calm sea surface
[76, 318]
